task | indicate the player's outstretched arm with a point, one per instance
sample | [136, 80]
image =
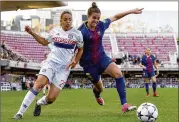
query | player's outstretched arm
[76, 58]
[39, 39]
[121, 15]
[79, 54]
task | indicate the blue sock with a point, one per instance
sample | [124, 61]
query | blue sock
[96, 93]
[147, 87]
[121, 89]
[154, 86]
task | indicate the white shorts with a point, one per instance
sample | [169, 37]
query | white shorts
[56, 76]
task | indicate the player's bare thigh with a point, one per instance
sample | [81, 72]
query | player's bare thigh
[40, 82]
[153, 79]
[113, 70]
[56, 85]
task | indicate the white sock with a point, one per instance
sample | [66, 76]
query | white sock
[42, 101]
[28, 99]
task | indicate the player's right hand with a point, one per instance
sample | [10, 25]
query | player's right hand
[137, 10]
[28, 29]
[144, 67]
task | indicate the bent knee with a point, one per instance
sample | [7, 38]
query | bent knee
[40, 82]
[117, 74]
[50, 100]
[38, 85]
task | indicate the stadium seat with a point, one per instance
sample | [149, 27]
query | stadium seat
[23, 44]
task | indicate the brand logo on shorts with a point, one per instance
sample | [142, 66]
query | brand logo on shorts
[62, 83]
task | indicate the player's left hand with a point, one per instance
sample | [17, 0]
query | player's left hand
[137, 11]
[72, 65]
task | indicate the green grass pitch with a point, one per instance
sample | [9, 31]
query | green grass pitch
[79, 105]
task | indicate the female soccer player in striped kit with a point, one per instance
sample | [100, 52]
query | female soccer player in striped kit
[148, 62]
[94, 60]
[56, 67]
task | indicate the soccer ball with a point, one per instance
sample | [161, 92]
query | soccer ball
[147, 112]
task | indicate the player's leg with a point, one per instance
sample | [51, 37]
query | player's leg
[48, 99]
[52, 94]
[58, 82]
[146, 81]
[93, 75]
[97, 89]
[30, 96]
[114, 71]
[48, 87]
[154, 85]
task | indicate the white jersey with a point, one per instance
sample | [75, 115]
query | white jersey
[64, 44]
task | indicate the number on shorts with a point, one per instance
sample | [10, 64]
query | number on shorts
[62, 83]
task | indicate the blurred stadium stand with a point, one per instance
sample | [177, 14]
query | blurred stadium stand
[23, 44]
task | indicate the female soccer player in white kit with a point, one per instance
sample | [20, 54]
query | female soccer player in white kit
[56, 68]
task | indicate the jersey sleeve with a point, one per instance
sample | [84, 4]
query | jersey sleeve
[49, 35]
[80, 27]
[153, 58]
[106, 23]
[80, 40]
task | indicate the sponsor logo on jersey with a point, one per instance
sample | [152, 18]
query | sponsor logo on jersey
[70, 36]
[65, 41]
